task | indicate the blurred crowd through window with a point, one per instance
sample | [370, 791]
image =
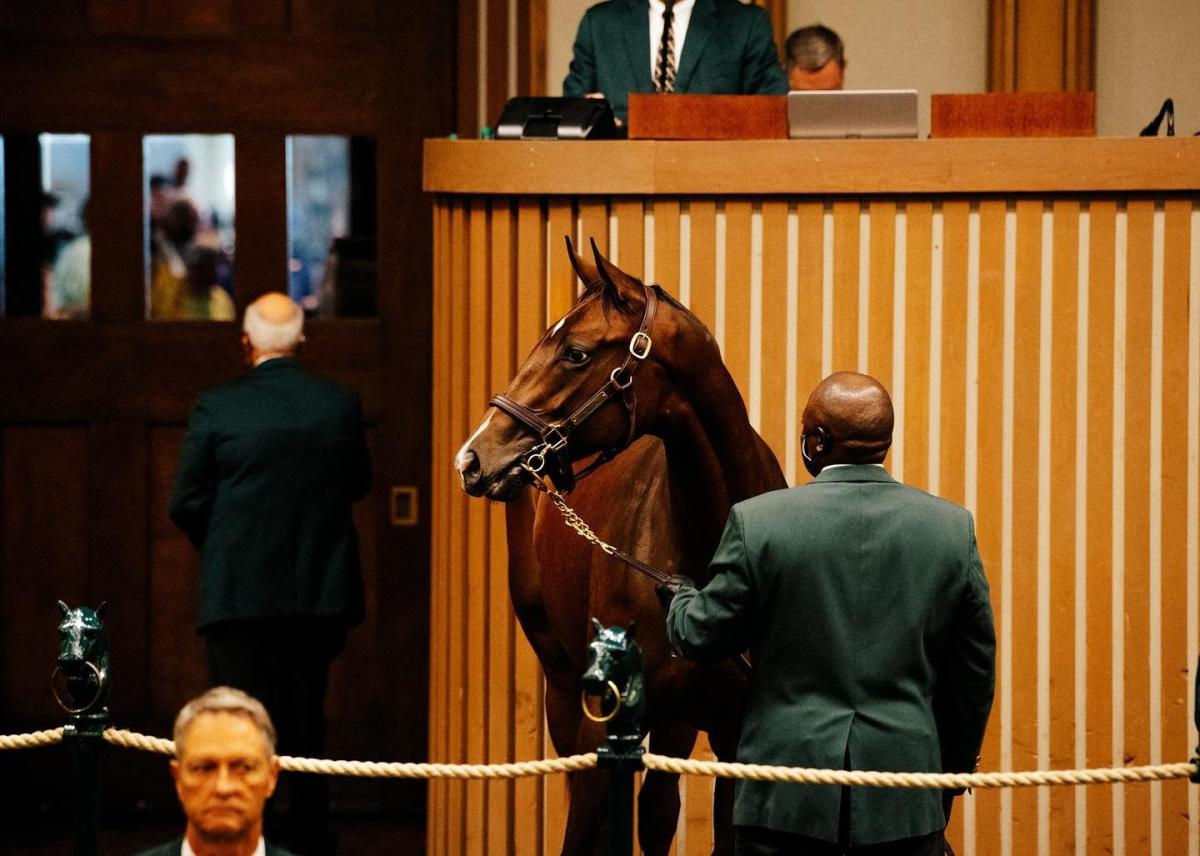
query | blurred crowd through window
[189, 180]
[45, 246]
[331, 225]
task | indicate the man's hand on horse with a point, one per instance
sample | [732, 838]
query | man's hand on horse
[667, 589]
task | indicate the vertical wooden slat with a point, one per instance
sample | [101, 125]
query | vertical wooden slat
[737, 293]
[1177, 255]
[698, 805]
[531, 48]
[1099, 516]
[1064, 386]
[773, 421]
[882, 288]
[467, 68]
[500, 684]
[666, 244]
[809, 299]
[919, 248]
[954, 351]
[592, 226]
[1025, 505]
[562, 284]
[529, 322]
[497, 59]
[476, 570]
[456, 569]
[845, 285]
[988, 417]
[1137, 518]
[703, 216]
[631, 235]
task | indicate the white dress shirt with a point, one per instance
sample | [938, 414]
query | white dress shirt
[260, 850]
[683, 14]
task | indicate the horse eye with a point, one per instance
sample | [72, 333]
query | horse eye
[575, 356]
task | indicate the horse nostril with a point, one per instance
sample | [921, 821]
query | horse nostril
[467, 463]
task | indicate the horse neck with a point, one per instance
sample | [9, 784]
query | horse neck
[715, 456]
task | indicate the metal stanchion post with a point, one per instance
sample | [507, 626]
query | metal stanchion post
[80, 684]
[615, 673]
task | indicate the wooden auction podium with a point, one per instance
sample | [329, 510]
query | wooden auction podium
[1034, 308]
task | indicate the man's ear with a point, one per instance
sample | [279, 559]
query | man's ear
[273, 768]
[175, 773]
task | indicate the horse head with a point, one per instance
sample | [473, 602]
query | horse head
[575, 395]
[615, 675]
[81, 679]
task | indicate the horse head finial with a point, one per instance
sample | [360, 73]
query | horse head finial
[66, 610]
[81, 680]
[597, 626]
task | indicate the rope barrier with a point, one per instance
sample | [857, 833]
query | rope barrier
[864, 778]
[663, 763]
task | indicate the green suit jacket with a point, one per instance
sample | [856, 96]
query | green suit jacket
[728, 49]
[865, 609]
[174, 848]
[269, 468]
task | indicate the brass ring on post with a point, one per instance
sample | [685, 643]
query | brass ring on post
[603, 717]
[58, 696]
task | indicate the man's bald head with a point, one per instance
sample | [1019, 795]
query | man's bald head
[848, 420]
[273, 326]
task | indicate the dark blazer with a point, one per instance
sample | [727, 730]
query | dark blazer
[866, 611]
[728, 49]
[269, 468]
[174, 848]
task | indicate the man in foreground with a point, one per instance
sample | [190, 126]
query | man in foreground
[270, 467]
[225, 768]
[865, 608]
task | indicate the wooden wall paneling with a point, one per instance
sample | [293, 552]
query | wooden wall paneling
[1023, 534]
[500, 629]
[261, 18]
[776, 314]
[1040, 44]
[261, 243]
[989, 417]
[1176, 736]
[1100, 513]
[45, 558]
[563, 284]
[917, 336]
[591, 225]
[810, 307]
[467, 69]
[1041, 47]
[702, 264]
[844, 299]
[178, 669]
[736, 345]
[666, 214]
[528, 743]
[953, 378]
[881, 298]
[439, 508]
[1064, 394]
[498, 60]
[117, 225]
[461, 413]
[1136, 523]
[114, 17]
[531, 47]
[313, 16]
[631, 236]
[197, 18]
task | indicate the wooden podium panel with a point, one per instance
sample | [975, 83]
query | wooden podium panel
[1014, 114]
[707, 117]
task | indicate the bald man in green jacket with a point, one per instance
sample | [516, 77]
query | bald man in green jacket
[865, 608]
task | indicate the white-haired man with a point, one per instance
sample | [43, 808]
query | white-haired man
[269, 468]
[225, 769]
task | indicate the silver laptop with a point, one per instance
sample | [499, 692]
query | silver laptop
[852, 113]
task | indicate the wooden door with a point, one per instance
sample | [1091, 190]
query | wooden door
[92, 412]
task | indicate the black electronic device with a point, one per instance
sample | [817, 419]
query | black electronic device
[556, 119]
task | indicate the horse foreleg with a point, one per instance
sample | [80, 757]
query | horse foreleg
[658, 800]
[571, 734]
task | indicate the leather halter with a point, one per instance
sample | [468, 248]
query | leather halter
[554, 436]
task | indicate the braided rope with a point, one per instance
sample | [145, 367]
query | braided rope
[31, 740]
[663, 763]
[864, 778]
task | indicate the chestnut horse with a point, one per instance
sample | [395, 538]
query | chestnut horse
[687, 452]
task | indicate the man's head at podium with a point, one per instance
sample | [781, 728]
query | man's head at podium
[815, 59]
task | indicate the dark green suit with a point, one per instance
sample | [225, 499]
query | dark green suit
[174, 848]
[269, 468]
[728, 50]
[865, 608]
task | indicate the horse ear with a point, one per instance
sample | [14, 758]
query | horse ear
[65, 609]
[597, 626]
[618, 285]
[631, 630]
[100, 609]
[583, 269]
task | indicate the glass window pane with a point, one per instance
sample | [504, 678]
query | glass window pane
[331, 225]
[189, 182]
[45, 248]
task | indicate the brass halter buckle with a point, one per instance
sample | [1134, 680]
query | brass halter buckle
[602, 717]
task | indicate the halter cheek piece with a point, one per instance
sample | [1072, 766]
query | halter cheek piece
[548, 457]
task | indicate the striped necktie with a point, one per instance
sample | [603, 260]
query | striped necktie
[664, 69]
